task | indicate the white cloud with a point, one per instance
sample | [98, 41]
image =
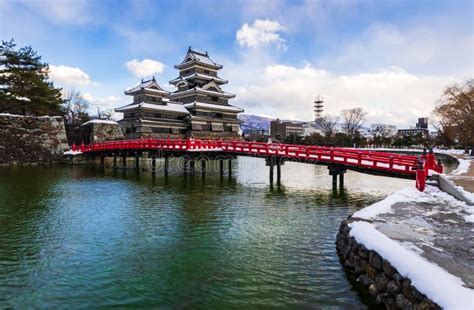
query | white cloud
[261, 33]
[145, 67]
[70, 76]
[77, 12]
[104, 103]
[391, 96]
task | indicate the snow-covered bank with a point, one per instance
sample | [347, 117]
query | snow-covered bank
[412, 248]
[411, 194]
[430, 279]
[463, 166]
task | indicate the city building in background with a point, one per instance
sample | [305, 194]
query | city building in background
[282, 129]
[421, 127]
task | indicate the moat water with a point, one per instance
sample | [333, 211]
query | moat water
[80, 237]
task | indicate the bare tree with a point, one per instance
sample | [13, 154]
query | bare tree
[455, 113]
[382, 134]
[107, 114]
[327, 124]
[353, 120]
[75, 107]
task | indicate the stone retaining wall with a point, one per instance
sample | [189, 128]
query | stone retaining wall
[382, 281]
[31, 140]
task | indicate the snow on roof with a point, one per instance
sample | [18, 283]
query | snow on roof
[147, 85]
[198, 75]
[213, 106]
[170, 107]
[100, 121]
[178, 93]
[194, 55]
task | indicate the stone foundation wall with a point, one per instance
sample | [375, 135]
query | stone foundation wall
[31, 140]
[101, 132]
[382, 281]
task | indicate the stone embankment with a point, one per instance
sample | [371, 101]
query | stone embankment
[383, 282]
[414, 250]
[31, 140]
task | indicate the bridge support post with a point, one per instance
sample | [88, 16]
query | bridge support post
[137, 162]
[115, 161]
[230, 167]
[221, 167]
[124, 161]
[102, 161]
[192, 164]
[271, 164]
[335, 171]
[153, 164]
[167, 163]
[278, 164]
[203, 167]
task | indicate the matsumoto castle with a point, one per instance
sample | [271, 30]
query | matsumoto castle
[198, 108]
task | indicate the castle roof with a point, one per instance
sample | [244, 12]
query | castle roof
[204, 105]
[194, 56]
[169, 107]
[147, 86]
[198, 75]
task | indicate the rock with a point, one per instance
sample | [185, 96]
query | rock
[372, 290]
[398, 278]
[371, 272]
[363, 252]
[365, 280]
[381, 282]
[359, 265]
[345, 251]
[375, 260]
[388, 268]
[416, 294]
[389, 303]
[401, 302]
[392, 288]
[381, 298]
[406, 289]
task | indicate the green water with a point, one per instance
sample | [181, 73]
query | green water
[80, 237]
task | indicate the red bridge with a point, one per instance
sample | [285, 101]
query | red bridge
[338, 160]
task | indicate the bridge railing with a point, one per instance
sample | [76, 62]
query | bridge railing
[366, 159]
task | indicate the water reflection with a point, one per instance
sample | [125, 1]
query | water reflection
[87, 237]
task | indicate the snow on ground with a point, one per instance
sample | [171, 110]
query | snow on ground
[463, 166]
[70, 152]
[100, 121]
[430, 279]
[411, 194]
[448, 151]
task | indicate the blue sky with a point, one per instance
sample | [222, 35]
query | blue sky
[392, 58]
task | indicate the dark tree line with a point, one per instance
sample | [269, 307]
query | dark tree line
[24, 85]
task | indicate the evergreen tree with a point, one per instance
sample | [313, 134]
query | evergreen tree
[24, 85]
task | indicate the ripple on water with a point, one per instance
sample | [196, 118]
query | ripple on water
[83, 238]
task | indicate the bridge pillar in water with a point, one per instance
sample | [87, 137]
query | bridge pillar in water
[335, 171]
[124, 161]
[153, 164]
[203, 167]
[166, 164]
[271, 164]
[278, 164]
[192, 165]
[115, 161]
[221, 167]
[137, 162]
[230, 167]
[102, 161]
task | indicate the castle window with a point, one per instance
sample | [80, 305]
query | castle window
[215, 99]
